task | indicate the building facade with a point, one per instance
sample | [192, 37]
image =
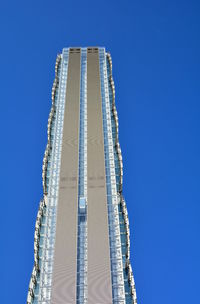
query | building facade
[81, 241]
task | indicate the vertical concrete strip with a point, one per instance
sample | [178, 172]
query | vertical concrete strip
[99, 271]
[64, 271]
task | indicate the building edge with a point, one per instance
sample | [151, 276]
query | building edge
[43, 201]
[120, 195]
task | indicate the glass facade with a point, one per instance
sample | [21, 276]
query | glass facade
[82, 199]
[120, 271]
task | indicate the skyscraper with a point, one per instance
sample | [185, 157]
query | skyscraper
[81, 242]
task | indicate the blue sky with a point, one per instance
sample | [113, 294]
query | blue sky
[155, 50]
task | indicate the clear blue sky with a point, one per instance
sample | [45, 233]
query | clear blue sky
[155, 48]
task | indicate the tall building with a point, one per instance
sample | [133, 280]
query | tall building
[81, 242]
